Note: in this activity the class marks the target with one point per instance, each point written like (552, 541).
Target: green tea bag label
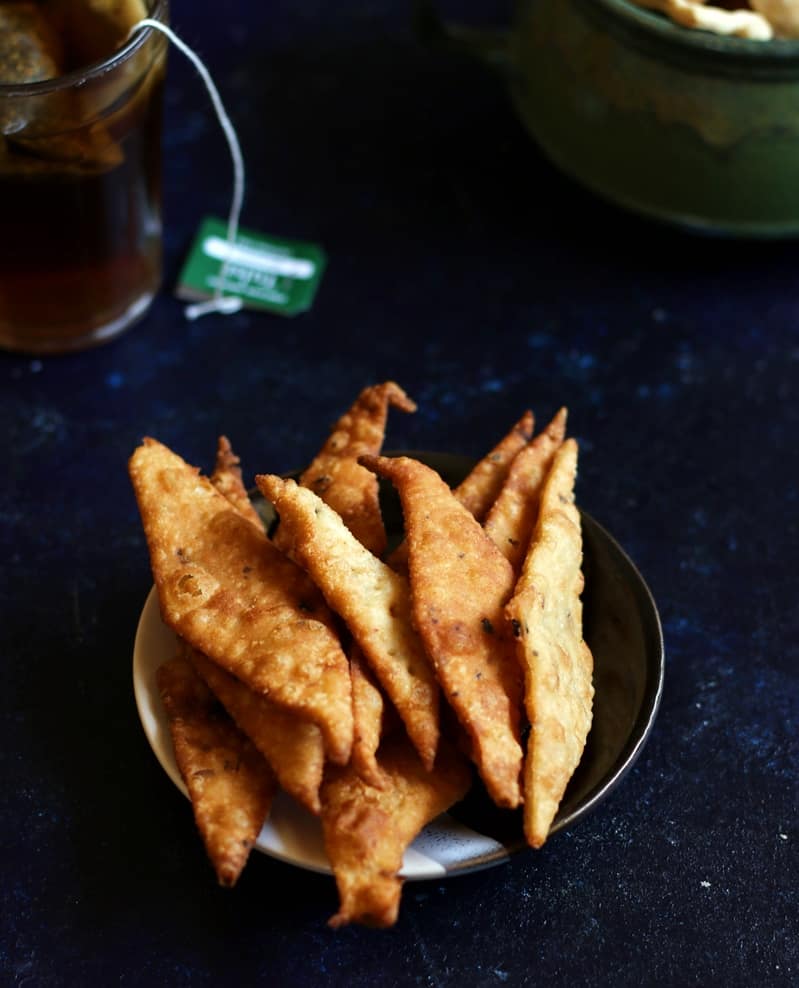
(264, 272)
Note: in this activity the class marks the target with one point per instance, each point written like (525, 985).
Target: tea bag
(30, 48)
(94, 29)
(30, 51)
(92, 149)
(40, 42)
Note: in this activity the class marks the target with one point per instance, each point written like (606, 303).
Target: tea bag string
(219, 303)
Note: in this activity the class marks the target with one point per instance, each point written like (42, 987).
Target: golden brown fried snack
(337, 477)
(232, 595)
(227, 479)
(782, 15)
(352, 491)
(366, 830)
(373, 600)
(511, 519)
(292, 746)
(460, 583)
(367, 719)
(546, 613)
(740, 23)
(478, 491)
(230, 785)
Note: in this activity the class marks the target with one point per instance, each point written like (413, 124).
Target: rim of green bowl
(778, 51)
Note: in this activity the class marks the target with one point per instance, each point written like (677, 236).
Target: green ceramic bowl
(681, 125)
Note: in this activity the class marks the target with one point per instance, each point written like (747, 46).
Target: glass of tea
(80, 170)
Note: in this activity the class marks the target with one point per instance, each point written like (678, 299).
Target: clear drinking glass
(80, 198)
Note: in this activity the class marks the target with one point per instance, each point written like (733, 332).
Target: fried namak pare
(482, 615)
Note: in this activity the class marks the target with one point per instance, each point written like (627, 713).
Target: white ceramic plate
(621, 627)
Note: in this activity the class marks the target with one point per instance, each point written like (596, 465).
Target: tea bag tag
(228, 268)
(261, 272)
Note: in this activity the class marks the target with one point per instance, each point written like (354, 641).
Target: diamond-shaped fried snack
(479, 489)
(337, 477)
(230, 784)
(352, 491)
(373, 600)
(511, 519)
(366, 830)
(460, 583)
(231, 594)
(368, 707)
(227, 479)
(292, 746)
(546, 613)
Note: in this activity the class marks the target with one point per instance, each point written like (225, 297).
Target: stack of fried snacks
(375, 689)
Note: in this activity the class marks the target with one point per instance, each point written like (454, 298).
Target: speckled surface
(464, 267)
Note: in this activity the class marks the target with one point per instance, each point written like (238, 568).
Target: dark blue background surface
(463, 266)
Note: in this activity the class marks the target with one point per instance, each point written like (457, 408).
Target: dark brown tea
(80, 202)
